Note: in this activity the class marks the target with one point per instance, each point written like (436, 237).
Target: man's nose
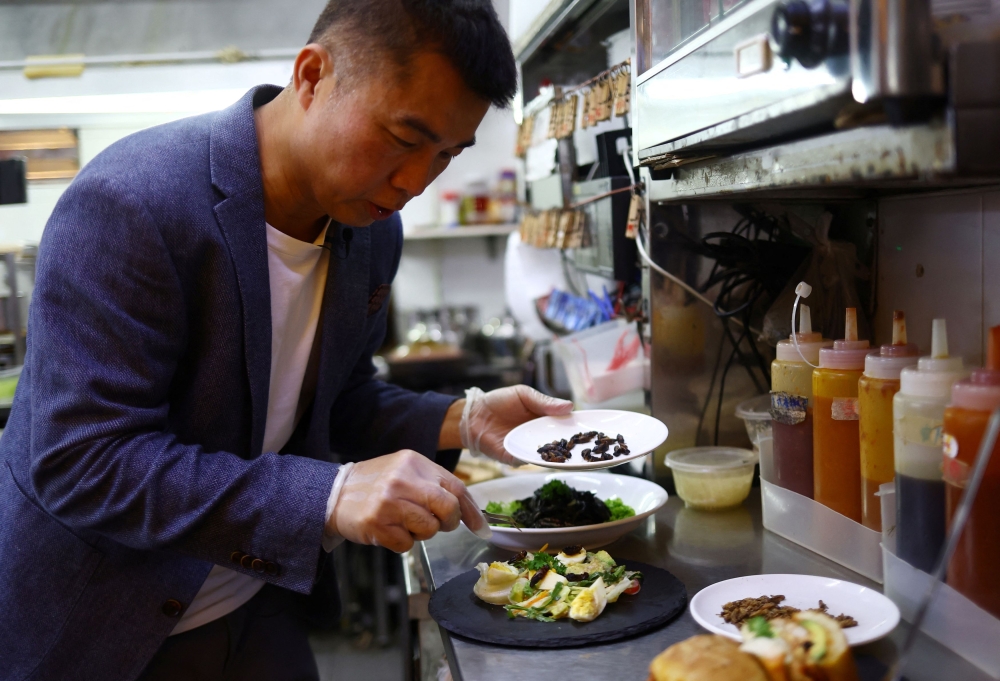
(413, 176)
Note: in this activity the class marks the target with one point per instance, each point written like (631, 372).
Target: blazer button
(246, 562)
(236, 556)
(172, 608)
(257, 565)
(271, 568)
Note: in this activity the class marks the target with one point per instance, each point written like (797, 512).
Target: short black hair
(466, 32)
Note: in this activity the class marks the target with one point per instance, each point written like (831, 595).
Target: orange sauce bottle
(836, 441)
(974, 567)
(876, 388)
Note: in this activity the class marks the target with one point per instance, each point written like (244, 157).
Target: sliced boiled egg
(589, 603)
(549, 581)
(577, 554)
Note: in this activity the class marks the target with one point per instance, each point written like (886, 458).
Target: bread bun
(705, 658)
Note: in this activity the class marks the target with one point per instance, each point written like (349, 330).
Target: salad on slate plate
(575, 583)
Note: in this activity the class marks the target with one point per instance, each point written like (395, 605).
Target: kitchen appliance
(713, 76)
(609, 253)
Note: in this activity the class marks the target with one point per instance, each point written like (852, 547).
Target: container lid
(981, 392)
(890, 360)
(882, 366)
(810, 348)
(710, 459)
(809, 343)
(933, 376)
(755, 409)
(848, 353)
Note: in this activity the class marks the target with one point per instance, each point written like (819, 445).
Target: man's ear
(312, 65)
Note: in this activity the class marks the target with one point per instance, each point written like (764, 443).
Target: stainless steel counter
(700, 549)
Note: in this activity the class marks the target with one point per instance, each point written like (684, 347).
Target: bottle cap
(981, 392)
(889, 360)
(849, 353)
(933, 376)
(809, 341)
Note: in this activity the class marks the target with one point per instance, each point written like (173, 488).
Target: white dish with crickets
(640, 435)
(875, 614)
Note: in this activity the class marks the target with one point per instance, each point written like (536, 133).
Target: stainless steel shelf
(460, 232)
(556, 15)
(543, 25)
(851, 161)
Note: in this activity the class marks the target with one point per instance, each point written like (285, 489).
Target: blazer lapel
(345, 307)
(235, 165)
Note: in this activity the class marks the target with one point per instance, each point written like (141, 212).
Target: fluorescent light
(190, 102)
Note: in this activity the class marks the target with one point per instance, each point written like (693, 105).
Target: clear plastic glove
(488, 417)
(400, 498)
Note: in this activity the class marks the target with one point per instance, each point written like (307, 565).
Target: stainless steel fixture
(713, 78)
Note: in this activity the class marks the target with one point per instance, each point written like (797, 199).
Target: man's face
(369, 145)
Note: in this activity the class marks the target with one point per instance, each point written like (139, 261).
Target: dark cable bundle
(750, 268)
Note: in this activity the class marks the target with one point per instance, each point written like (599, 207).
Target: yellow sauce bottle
(791, 406)
(836, 441)
(876, 389)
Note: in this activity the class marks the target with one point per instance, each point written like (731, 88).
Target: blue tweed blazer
(132, 459)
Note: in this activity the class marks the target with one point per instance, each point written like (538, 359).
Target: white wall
(106, 104)
(522, 13)
(955, 239)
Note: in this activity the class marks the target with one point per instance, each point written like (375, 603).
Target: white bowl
(642, 434)
(643, 496)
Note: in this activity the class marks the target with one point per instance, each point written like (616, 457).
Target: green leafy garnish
(609, 576)
(554, 490)
(503, 507)
(759, 626)
(540, 560)
(537, 612)
(618, 508)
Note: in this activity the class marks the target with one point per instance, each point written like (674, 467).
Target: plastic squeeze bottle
(876, 388)
(918, 419)
(791, 408)
(836, 441)
(973, 568)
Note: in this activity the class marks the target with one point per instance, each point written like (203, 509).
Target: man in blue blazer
(197, 417)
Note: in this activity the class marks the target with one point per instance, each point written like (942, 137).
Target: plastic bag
(832, 269)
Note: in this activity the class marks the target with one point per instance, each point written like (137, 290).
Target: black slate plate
(457, 609)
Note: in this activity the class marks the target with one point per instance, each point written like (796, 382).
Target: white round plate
(642, 434)
(876, 615)
(643, 496)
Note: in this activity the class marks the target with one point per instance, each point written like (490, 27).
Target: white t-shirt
(297, 272)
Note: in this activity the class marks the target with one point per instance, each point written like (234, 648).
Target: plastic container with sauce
(791, 406)
(712, 478)
(918, 419)
(876, 389)
(836, 442)
(973, 568)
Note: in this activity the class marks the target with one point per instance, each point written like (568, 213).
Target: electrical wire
(743, 275)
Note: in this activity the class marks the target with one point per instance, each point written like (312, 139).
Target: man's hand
(488, 417)
(400, 498)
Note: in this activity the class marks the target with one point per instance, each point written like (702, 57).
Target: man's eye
(403, 143)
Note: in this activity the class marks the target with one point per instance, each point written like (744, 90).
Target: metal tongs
(499, 518)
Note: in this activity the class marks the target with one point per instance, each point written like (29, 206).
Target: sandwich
(809, 646)
(706, 658)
